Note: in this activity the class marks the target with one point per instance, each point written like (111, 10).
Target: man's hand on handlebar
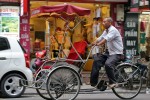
(94, 43)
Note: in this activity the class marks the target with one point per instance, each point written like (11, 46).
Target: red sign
(24, 33)
(134, 9)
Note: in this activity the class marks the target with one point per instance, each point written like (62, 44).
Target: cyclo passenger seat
(80, 48)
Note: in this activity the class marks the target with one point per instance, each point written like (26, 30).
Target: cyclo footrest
(31, 84)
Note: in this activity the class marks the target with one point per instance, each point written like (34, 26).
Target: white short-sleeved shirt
(114, 40)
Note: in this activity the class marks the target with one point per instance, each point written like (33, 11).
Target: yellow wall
(39, 24)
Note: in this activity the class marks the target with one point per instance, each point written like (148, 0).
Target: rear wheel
(129, 81)
(10, 86)
(63, 83)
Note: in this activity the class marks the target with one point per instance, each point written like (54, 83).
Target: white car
(14, 65)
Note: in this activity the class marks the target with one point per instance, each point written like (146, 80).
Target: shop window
(39, 43)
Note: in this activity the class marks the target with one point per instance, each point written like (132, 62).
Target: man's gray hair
(109, 19)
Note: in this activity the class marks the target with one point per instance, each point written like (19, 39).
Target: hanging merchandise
(142, 38)
(98, 12)
(148, 29)
(96, 27)
(142, 26)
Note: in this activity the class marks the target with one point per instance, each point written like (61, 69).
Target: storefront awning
(64, 10)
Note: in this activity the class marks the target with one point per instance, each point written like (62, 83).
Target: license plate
(128, 70)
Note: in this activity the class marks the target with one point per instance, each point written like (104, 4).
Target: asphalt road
(31, 94)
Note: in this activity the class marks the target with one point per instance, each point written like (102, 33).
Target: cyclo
(63, 79)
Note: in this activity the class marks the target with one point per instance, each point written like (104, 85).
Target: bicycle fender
(124, 64)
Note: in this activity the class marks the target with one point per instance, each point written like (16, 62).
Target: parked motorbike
(138, 62)
(40, 59)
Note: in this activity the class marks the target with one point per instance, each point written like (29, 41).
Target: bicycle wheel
(41, 78)
(129, 81)
(41, 84)
(63, 83)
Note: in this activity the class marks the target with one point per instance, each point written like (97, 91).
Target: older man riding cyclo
(112, 38)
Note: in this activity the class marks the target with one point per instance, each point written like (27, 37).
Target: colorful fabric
(142, 26)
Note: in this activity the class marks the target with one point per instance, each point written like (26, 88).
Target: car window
(4, 45)
(22, 47)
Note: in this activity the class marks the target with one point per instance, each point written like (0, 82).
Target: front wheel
(129, 81)
(41, 82)
(63, 83)
(41, 78)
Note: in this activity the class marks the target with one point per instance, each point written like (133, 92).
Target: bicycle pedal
(102, 86)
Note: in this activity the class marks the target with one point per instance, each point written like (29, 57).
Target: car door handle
(2, 58)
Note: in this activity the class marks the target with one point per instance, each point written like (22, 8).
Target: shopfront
(41, 28)
(137, 32)
(138, 29)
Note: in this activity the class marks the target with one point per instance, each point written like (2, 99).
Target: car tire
(0, 94)
(10, 86)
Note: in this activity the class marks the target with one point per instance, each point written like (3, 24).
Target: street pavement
(85, 94)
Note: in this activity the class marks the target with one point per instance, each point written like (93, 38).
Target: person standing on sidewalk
(113, 40)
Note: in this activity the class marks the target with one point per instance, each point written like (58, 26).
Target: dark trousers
(110, 61)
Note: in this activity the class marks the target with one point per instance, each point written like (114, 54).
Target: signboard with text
(24, 25)
(9, 21)
(24, 33)
(131, 34)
